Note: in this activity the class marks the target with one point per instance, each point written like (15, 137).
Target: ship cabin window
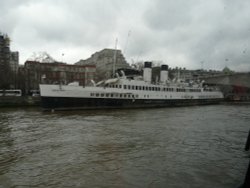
(149, 88)
(136, 87)
(91, 94)
(125, 86)
(195, 90)
(97, 94)
(128, 86)
(120, 86)
(120, 95)
(178, 90)
(102, 94)
(140, 87)
(111, 95)
(143, 88)
(133, 87)
(107, 94)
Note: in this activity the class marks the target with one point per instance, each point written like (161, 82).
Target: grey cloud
(179, 32)
(201, 31)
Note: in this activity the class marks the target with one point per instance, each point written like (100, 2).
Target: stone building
(106, 61)
(4, 49)
(14, 61)
(5, 72)
(8, 63)
(57, 72)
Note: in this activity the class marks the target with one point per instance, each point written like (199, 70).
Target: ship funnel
(164, 74)
(147, 72)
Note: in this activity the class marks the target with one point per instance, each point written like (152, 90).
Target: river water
(200, 146)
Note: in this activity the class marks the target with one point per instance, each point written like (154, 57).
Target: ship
(126, 91)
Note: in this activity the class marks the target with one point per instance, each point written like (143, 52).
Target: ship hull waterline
(72, 103)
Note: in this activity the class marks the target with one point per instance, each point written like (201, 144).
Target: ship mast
(114, 63)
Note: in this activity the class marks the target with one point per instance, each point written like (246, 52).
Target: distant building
(4, 49)
(6, 74)
(182, 74)
(55, 73)
(14, 61)
(105, 61)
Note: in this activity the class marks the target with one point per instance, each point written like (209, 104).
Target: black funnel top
(164, 67)
(147, 64)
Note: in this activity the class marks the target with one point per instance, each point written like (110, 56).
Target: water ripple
(201, 146)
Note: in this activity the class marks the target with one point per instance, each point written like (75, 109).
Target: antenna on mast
(126, 44)
(116, 41)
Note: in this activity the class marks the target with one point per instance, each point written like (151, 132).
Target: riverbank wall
(8, 101)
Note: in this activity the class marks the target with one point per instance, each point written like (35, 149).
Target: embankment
(19, 101)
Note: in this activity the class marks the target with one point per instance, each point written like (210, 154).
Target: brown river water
(200, 146)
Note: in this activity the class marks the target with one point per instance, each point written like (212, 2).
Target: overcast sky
(185, 33)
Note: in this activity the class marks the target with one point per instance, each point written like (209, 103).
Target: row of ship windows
(148, 88)
(208, 96)
(111, 95)
(133, 96)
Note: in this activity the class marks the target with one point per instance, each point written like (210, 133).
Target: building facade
(5, 72)
(8, 64)
(55, 73)
(14, 61)
(106, 61)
